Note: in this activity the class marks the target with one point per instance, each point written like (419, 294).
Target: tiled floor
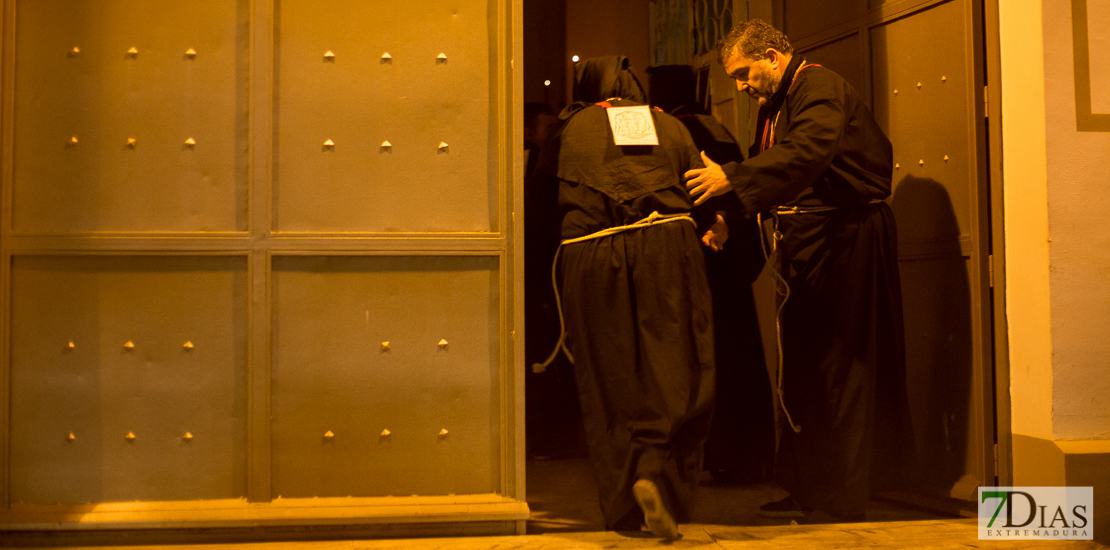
(565, 515)
(563, 498)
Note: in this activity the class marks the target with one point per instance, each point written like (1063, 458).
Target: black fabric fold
(588, 155)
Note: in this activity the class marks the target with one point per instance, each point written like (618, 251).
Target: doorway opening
(561, 491)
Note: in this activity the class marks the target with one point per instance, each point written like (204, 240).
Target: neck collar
(787, 79)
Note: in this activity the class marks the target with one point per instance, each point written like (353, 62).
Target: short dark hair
(753, 38)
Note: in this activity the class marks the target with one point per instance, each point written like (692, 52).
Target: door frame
(1004, 464)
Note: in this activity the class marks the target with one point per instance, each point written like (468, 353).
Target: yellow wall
(1027, 241)
(1056, 235)
(1078, 198)
(1055, 146)
(1056, 143)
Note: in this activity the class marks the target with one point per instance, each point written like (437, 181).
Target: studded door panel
(128, 378)
(384, 376)
(214, 214)
(383, 117)
(130, 116)
(935, 201)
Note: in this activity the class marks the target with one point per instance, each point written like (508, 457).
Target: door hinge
(986, 103)
(996, 460)
(990, 269)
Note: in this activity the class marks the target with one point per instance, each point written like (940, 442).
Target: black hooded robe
(637, 304)
(741, 443)
(844, 360)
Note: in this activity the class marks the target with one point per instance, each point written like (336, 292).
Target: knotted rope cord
(655, 218)
(782, 289)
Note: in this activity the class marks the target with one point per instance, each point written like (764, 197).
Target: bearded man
(816, 177)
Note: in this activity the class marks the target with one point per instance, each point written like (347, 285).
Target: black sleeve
(712, 138)
(777, 175)
(689, 158)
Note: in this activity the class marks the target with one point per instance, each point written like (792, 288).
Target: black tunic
(741, 442)
(844, 359)
(637, 308)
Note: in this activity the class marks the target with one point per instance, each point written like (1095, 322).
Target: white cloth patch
(632, 125)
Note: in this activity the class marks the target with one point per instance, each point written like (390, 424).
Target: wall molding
(1085, 119)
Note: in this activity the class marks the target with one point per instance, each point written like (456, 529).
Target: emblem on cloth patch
(632, 125)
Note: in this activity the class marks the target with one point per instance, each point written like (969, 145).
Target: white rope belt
(654, 219)
(784, 289)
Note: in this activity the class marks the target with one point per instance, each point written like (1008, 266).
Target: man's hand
(717, 235)
(707, 182)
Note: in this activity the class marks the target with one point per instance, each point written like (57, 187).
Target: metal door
(920, 63)
(259, 265)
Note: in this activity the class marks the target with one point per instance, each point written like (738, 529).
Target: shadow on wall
(936, 301)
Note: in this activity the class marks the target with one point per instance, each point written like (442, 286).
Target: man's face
(757, 78)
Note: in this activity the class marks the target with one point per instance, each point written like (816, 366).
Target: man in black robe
(636, 301)
(819, 170)
(741, 443)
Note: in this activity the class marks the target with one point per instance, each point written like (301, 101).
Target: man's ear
(773, 57)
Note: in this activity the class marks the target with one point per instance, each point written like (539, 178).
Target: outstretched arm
(796, 161)
(707, 182)
(799, 157)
